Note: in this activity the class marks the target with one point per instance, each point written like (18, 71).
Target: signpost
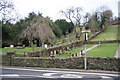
(85, 42)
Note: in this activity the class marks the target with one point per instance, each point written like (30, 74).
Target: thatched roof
(38, 28)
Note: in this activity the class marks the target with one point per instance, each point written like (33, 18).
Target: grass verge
(104, 50)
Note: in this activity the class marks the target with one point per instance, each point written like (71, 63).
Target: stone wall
(94, 63)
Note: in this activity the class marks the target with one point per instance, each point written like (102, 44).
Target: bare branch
(6, 7)
(73, 14)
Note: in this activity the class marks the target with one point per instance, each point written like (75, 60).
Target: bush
(94, 63)
(6, 44)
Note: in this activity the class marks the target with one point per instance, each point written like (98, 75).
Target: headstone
(46, 46)
(11, 46)
(68, 48)
(54, 52)
(77, 54)
(51, 53)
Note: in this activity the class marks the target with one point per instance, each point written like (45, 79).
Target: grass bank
(109, 34)
(104, 50)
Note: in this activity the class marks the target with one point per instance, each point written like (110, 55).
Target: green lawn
(118, 32)
(63, 56)
(78, 49)
(105, 50)
(109, 34)
(18, 51)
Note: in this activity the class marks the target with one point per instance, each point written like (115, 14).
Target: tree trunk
(32, 45)
(42, 44)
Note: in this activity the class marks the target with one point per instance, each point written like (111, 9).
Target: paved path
(90, 48)
(117, 55)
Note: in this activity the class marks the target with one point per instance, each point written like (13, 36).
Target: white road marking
(71, 76)
(48, 74)
(10, 75)
(106, 77)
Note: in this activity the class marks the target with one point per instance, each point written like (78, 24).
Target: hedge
(93, 63)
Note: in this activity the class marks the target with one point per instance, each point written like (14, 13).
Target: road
(32, 74)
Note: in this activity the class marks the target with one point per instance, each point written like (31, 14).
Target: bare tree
(100, 19)
(105, 15)
(5, 5)
(108, 15)
(39, 28)
(102, 8)
(73, 14)
(77, 15)
(7, 11)
(93, 22)
(86, 18)
(68, 14)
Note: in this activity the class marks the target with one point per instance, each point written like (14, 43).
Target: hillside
(109, 34)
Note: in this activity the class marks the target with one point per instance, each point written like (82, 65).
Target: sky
(51, 8)
(119, 9)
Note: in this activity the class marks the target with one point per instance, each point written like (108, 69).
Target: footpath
(117, 55)
(90, 48)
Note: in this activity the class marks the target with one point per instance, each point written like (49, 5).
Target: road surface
(32, 74)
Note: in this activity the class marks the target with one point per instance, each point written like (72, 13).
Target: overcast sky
(51, 8)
